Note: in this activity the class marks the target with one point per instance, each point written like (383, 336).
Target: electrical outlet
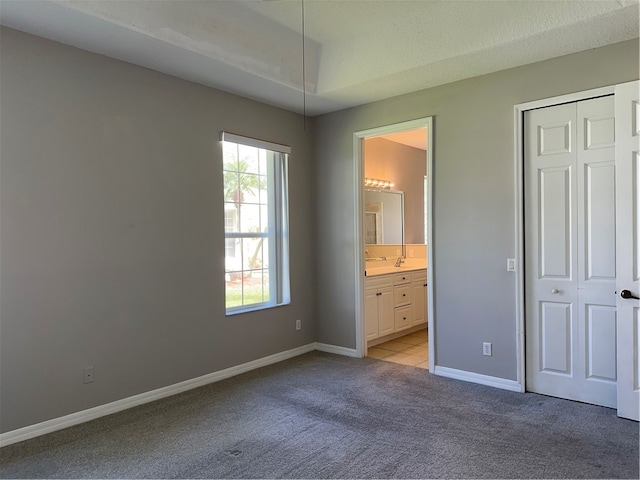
(298, 324)
(88, 375)
(486, 349)
(411, 253)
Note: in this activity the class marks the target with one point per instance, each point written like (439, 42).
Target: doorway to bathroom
(394, 311)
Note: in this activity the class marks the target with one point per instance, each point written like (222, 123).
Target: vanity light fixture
(377, 183)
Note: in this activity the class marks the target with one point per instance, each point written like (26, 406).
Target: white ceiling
(356, 51)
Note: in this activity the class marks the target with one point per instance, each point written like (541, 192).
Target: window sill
(253, 308)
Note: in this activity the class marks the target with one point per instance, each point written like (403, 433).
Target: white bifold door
(581, 333)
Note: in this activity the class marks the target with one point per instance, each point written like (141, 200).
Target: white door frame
(519, 203)
(358, 139)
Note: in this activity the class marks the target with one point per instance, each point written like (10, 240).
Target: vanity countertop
(410, 265)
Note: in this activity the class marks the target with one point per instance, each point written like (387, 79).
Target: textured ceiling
(355, 51)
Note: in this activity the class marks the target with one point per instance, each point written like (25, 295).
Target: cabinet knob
(404, 294)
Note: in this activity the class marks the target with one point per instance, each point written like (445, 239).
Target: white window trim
(254, 142)
(278, 236)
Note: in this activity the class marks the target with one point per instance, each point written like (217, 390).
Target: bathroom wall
(406, 167)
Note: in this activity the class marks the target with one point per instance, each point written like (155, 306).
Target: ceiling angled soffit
(120, 29)
(223, 30)
(357, 51)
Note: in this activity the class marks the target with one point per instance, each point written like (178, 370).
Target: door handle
(628, 294)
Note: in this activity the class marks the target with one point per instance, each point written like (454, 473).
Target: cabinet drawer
(402, 318)
(400, 278)
(402, 295)
(419, 276)
(379, 281)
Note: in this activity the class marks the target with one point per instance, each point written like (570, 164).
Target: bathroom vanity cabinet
(394, 302)
(379, 306)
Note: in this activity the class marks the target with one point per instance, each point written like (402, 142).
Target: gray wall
(112, 245)
(474, 217)
(111, 213)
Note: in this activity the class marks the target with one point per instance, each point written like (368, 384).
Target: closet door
(628, 247)
(570, 251)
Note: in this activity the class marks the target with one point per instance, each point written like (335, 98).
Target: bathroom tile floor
(412, 349)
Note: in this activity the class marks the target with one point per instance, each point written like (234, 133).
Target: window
(255, 223)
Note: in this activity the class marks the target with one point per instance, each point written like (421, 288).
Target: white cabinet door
(371, 313)
(386, 319)
(570, 251)
(419, 299)
(627, 108)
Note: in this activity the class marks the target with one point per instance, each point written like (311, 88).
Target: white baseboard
(52, 425)
(497, 382)
(347, 352)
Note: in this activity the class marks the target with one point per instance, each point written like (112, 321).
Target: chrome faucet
(399, 261)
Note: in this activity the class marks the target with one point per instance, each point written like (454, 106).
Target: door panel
(600, 222)
(627, 148)
(570, 251)
(554, 139)
(599, 132)
(635, 183)
(556, 335)
(554, 244)
(600, 327)
(635, 386)
(596, 237)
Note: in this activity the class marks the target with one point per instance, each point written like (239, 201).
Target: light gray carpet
(325, 416)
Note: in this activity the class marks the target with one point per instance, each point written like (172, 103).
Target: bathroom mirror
(384, 217)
